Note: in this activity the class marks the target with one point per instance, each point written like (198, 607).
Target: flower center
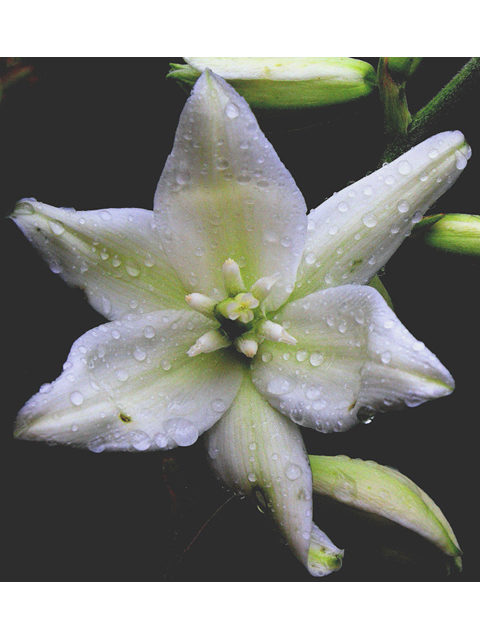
(241, 315)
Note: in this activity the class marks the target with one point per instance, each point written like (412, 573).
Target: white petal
(115, 255)
(353, 357)
(386, 492)
(130, 385)
(353, 234)
(225, 194)
(257, 451)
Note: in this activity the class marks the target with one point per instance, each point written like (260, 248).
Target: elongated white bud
(202, 304)
(275, 332)
(210, 341)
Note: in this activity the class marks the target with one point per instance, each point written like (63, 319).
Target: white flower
(228, 313)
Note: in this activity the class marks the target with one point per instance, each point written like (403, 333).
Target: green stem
(424, 121)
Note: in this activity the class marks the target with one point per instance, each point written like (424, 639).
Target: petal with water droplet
(353, 357)
(385, 206)
(130, 385)
(239, 201)
(256, 450)
(115, 255)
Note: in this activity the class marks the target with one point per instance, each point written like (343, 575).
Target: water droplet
(232, 110)
(342, 327)
(252, 477)
(390, 180)
(182, 431)
(293, 471)
(166, 364)
(182, 177)
(310, 258)
(433, 153)
(267, 356)
(417, 216)
(56, 227)
(139, 440)
(343, 207)
(161, 440)
(132, 269)
(97, 445)
(316, 359)
(404, 167)
(105, 215)
(386, 357)
(423, 177)
(55, 266)
(218, 405)
(252, 446)
(368, 190)
(280, 386)
(149, 332)
(76, 398)
(370, 220)
(301, 355)
(121, 375)
(365, 415)
(222, 164)
(139, 354)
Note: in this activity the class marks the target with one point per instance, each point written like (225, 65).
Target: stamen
(275, 332)
(263, 286)
(232, 278)
(247, 344)
(210, 341)
(202, 304)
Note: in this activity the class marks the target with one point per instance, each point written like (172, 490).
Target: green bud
(285, 83)
(402, 68)
(455, 232)
(385, 492)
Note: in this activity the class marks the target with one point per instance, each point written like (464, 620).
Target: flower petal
(130, 385)
(353, 357)
(353, 234)
(386, 492)
(257, 451)
(224, 194)
(115, 255)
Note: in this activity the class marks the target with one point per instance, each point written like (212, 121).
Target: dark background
(95, 133)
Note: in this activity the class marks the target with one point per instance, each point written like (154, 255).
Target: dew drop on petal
(76, 398)
(97, 445)
(293, 471)
(232, 110)
(139, 354)
(218, 405)
(370, 220)
(404, 167)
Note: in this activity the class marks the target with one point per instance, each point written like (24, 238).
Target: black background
(95, 133)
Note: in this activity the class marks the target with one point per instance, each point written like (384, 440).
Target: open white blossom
(230, 311)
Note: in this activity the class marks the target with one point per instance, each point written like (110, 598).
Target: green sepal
(377, 284)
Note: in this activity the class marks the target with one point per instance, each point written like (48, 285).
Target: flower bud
(402, 68)
(285, 83)
(455, 232)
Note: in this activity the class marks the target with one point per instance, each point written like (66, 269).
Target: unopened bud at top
(285, 83)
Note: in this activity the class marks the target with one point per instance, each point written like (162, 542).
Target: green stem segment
(426, 119)
(403, 131)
